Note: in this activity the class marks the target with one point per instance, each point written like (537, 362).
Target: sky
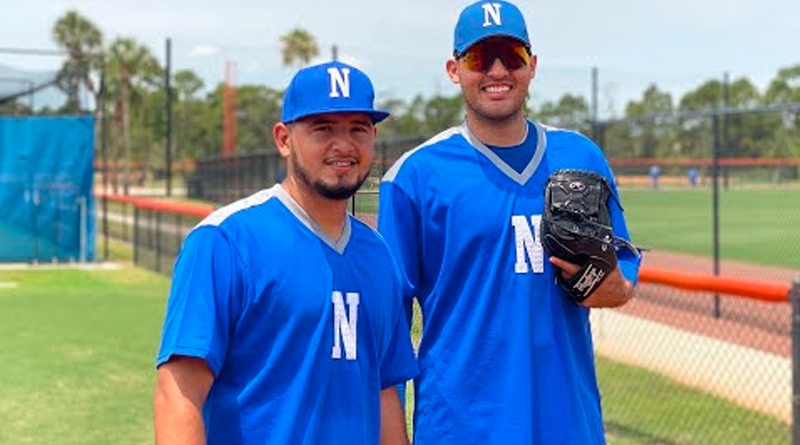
(403, 44)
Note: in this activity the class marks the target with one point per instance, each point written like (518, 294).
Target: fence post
(135, 235)
(158, 241)
(794, 296)
(83, 230)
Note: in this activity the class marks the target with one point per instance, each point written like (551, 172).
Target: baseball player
(506, 351)
(285, 322)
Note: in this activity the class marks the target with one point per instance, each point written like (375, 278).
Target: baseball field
(756, 225)
(80, 346)
(80, 343)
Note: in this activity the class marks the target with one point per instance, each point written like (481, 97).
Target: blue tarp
(46, 200)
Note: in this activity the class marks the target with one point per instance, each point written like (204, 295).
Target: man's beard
(338, 192)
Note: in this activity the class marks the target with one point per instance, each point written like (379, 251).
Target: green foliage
(83, 42)
(650, 127)
(420, 116)
(14, 108)
(298, 46)
(570, 111)
(258, 109)
(652, 137)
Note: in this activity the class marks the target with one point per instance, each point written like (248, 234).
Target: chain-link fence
(158, 237)
(222, 179)
(716, 380)
(670, 369)
(674, 366)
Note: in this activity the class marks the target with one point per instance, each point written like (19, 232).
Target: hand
(614, 291)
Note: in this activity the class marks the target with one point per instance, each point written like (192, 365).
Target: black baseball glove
(576, 227)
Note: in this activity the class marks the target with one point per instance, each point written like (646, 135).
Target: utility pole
(168, 129)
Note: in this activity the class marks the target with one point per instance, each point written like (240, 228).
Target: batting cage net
(38, 81)
(18, 89)
(46, 199)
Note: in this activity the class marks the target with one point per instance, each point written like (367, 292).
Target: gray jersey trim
(312, 225)
(277, 191)
(518, 177)
(392, 173)
(221, 214)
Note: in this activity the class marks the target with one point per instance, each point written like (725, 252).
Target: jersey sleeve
(399, 363)
(206, 291)
(399, 223)
(628, 261)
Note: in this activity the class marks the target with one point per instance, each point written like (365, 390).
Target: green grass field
(756, 225)
(82, 345)
(640, 407)
(79, 348)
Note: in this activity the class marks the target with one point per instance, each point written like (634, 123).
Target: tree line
(132, 98)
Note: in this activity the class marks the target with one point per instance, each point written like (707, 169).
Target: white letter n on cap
(340, 82)
(491, 14)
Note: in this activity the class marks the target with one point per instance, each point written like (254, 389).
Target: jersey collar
(518, 177)
(301, 215)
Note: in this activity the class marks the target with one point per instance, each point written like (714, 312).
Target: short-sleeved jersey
(505, 357)
(300, 331)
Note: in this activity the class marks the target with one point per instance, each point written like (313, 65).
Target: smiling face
(329, 155)
(497, 93)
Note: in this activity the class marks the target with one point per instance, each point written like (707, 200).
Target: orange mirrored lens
(481, 56)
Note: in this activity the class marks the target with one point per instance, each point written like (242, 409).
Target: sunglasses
(481, 56)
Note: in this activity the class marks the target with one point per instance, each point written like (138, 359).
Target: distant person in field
(655, 173)
(693, 177)
(505, 356)
(285, 323)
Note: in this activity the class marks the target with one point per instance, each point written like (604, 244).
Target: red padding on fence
(705, 162)
(156, 205)
(759, 290)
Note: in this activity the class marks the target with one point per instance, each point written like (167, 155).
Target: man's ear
(281, 133)
(534, 64)
(452, 70)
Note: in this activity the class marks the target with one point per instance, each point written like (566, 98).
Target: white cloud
(203, 50)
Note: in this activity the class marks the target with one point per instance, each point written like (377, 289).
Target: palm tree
(298, 47)
(131, 66)
(83, 42)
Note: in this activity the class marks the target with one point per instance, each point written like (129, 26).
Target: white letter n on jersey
(340, 82)
(528, 242)
(344, 327)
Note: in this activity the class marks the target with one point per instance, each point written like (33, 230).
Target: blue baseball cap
(488, 18)
(332, 87)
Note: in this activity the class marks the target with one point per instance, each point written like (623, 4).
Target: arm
(613, 292)
(182, 388)
(393, 419)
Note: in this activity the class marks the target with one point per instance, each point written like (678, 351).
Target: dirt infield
(738, 349)
(754, 324)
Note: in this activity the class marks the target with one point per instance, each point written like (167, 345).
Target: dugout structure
(46, 201)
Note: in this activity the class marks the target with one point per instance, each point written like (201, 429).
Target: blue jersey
(300, 331)
(505, 357)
